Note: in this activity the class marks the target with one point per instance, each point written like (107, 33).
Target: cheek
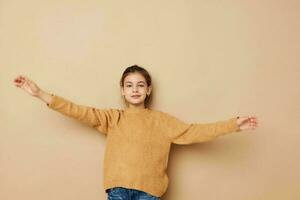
(143, 89)
(126, 91)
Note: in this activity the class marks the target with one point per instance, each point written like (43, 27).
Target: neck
(140, 106)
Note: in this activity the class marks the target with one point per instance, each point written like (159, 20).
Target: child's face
(135, 90)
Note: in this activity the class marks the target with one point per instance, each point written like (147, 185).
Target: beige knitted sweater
(139, 141)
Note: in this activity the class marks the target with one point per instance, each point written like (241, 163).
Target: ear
(149, 90)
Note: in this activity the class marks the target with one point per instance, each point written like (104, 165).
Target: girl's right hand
(27, 85)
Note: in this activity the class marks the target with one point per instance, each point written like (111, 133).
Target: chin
(136, 103)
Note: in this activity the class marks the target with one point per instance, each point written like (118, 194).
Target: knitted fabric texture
(138, 141)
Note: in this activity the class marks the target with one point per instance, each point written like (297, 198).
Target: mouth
(135, 96)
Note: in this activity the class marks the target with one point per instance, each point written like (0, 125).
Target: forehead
(134, 78)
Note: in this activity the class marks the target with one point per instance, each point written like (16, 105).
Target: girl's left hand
(247, 122)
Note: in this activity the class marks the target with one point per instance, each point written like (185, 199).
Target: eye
(128, 86)
(141, 85)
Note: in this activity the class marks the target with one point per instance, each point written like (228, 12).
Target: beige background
(210, 60)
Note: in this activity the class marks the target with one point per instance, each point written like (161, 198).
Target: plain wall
(209, 60)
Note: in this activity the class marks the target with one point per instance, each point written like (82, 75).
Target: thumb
(242, 120)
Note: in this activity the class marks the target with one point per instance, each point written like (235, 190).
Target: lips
(136, 96)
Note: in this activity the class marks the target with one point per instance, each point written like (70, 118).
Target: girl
(138, 138)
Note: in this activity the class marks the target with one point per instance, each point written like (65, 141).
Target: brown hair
(144, 73)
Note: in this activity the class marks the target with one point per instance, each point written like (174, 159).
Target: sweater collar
(136, 110)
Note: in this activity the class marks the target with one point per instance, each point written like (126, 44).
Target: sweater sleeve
(101, 119)
(180, 132)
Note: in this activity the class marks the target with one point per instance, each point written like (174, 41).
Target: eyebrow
(131, 82)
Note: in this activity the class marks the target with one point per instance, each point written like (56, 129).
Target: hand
(27, 85)
(247, 123)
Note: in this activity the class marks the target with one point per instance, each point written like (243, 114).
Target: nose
(134, 89)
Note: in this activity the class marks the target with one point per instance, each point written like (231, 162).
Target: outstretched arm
(32, 88)
(101, 119)
(180, 132)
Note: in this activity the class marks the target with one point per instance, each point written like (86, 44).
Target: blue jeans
(120, 193)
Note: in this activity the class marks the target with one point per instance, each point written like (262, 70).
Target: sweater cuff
(52, 102)
(233, 125)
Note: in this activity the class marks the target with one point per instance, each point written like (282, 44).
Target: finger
(254, 126)
(17, 78)
(24, 78)
(18, 82)
(252, 119)
(247, 119)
